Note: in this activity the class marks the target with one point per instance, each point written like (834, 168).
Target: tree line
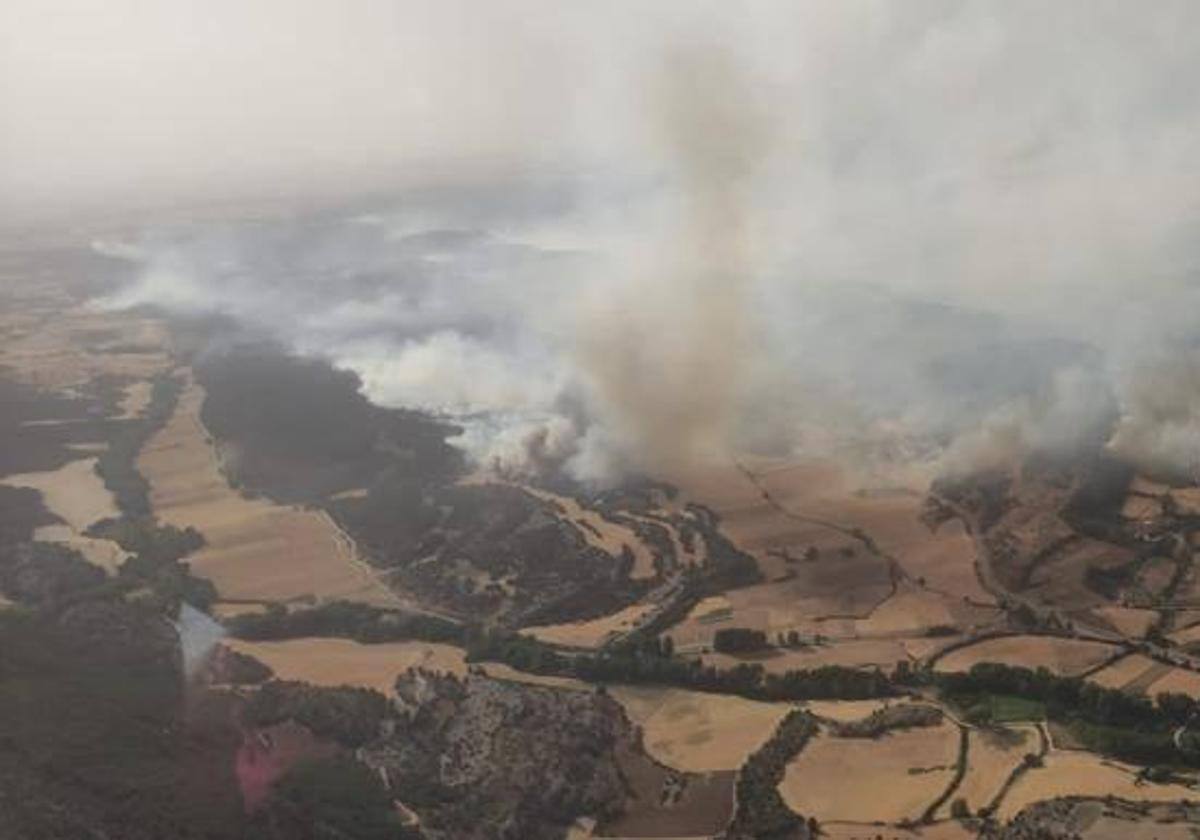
(1131, 727)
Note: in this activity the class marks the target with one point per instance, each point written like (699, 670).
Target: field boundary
(960, 772)
(1017, 772)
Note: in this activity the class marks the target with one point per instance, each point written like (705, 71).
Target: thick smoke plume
(666, 352)
(919, 228)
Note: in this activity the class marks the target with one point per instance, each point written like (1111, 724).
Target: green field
(1000, 708)
(1007, 708)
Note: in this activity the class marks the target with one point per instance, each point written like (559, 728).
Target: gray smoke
(609, 244)
(664, 349)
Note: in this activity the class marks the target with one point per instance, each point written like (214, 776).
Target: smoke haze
(635, 236)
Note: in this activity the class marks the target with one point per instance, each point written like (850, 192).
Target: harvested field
(910, 611)
(1084, 774)
(946, 560)
(1179, 680)
(334, 662)
(834, 585)
(86, 448)
(991, 758)
(103, 553)
(1128, 621)
(256, 550)
(819, 505)
(862, 780)
(57, 353)
(913, 611)
(1186, 636)
(1155, 575)
(1062, 656)
(74, 493)
(1142, 506)
(589, 634)
(945, 830)
(1060, 578)
(1187, 500)
(756, 525)
(704, 805)
(698, 732)
(224, 609)
(1114, 824)
(844, 711)
(1132, 670)
(853, 653)
(711, 610)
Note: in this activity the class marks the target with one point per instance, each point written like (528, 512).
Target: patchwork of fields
(854, 574)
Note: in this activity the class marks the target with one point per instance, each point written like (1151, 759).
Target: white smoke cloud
(942, 215)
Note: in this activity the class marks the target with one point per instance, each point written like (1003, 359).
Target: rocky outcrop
(481, 759)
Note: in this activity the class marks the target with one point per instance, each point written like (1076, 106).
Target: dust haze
(629, 238)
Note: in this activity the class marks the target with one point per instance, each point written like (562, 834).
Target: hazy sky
(101, 99)
(844, 164)
(108, 98)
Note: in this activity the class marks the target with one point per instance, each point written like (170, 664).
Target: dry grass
(589, 634)
(699, 732)
(1065, 657)
(332, 662)
(862, 780)
(256, 550)
(1074, 773)
(991, 757)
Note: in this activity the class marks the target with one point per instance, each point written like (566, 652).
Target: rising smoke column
(665, 352)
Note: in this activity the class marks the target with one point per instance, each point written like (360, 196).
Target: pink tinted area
(266, 754)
